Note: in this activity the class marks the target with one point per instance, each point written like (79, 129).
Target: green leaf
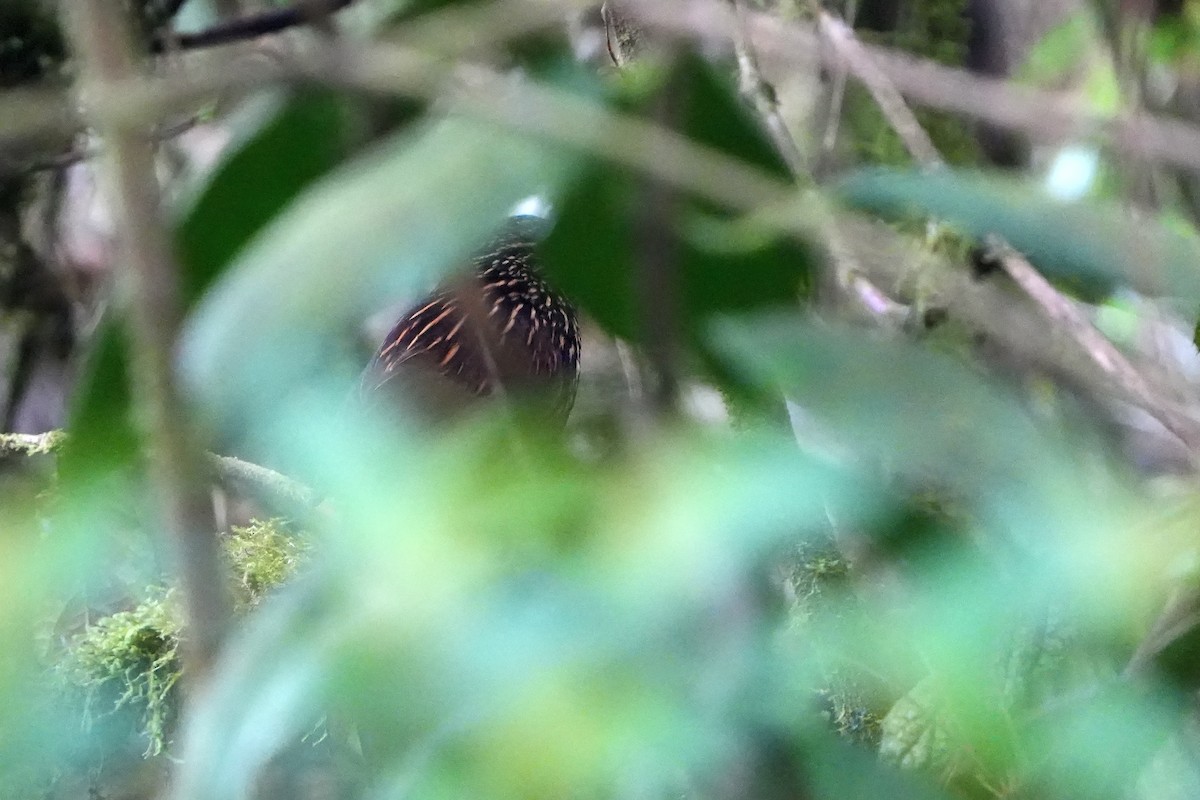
(841, 770)
(919, 410)
(713, 114)
(494, 596)
(928, 418)
(1098, 244)
(1095, 744)
(916, 734)
(299, 140)
(273, 688)
(588, 254)
(103, 437)
(724, 263)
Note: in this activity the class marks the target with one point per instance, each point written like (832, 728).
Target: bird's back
(498, 328)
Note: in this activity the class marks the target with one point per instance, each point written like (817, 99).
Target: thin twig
(897, 113)
(243, 28)
(149, 292)
(833, 120)
(837, 98)
(1040, 114)
(1179, 616)
(762, 94)
(657, 284)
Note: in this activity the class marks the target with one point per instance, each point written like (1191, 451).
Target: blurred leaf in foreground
(290, 143)
(529, 630)
(1098, 245)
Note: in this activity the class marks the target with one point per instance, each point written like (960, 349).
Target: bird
(499, 328)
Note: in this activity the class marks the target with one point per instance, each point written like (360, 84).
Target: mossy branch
(273, 489)
(26, 444)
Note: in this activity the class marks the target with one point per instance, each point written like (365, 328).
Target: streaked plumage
(502, 324)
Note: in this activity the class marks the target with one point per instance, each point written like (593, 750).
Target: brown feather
(501, 325)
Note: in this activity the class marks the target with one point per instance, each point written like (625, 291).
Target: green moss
(846, 709)
(819, 582)
(261, 557)
(128, 663)
(917, 735)
(817, 578)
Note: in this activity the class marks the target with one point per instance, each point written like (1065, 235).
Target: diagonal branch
(860, 63)
(762, 94)
(1061, 310)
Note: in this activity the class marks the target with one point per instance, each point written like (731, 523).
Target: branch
(245, 28)
(1103, 353)
(26, 444)
(149, 293)
(1057, 308)
(273, 489)
(897, 113)
(656, 283)
(1040, 114)
(762, 94)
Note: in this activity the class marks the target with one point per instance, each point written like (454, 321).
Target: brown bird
(500, 329)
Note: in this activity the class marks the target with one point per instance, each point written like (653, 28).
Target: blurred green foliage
(934, 588)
